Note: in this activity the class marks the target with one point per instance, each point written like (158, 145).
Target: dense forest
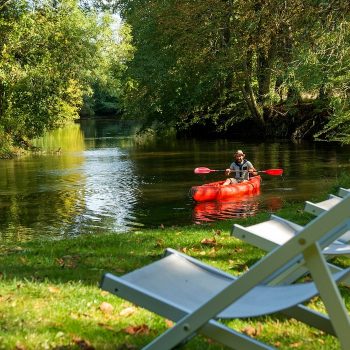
(220, 67)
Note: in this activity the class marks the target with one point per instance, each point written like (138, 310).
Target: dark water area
(97, 177)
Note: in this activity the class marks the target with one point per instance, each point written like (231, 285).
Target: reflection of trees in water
(101, 129)
(36, 186)
(69, 138)
(71, 192)
(25, 211)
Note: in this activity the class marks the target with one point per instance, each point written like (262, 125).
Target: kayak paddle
(274, 172)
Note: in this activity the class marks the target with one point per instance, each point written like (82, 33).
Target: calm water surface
(96, 177)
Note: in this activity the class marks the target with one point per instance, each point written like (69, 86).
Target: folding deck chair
(275, 232)
(194, 294)
(320, 207)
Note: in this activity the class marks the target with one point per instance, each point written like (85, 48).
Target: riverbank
(51, 298)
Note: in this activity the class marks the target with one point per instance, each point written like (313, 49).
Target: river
(97, 177)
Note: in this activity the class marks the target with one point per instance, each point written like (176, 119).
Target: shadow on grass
(86, 258)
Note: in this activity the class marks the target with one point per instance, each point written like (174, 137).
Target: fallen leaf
(106, 308)
(169, 323)
(242, 267)
(119, 270)
(238, 250)
(296, 345)
(212, 252)
(60, 262)
(127, 311)
(59, 334)
(83, 344)
(68, 261)
(17, 249)
(142, 329)
(53, 289)
(252, 331)
(209, 241)
(160, 243)
(19, 346)
(106, 326)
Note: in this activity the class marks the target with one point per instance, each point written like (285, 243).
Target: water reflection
(37, 192)
(109, 187)
(219, 210)
(242, 208)
(88, 187)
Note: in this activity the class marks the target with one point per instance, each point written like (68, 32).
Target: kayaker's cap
(239, 153)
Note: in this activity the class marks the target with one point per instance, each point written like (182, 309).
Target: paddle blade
(202, 170)
(274, 172)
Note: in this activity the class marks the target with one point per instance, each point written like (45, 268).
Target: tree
(51, 53)
(225, 61)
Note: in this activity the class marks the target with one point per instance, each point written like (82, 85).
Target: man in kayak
(242, 169)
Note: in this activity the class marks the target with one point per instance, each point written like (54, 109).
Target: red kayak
(215, 191)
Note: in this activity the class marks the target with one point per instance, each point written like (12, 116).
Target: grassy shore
(50, 296)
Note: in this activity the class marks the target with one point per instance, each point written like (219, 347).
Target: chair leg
(311, 317)
(329, 293)
(224, 335)
(232, 339)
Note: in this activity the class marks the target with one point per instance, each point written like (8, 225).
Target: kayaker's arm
(250, 171)
(253, 172)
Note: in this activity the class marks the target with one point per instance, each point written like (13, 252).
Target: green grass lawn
(50, 296)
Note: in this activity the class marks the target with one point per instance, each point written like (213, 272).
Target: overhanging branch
(3, 3)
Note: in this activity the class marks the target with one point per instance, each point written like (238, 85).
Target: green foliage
(175, 63)
(106, 82)
(51, 55)
(224, 61)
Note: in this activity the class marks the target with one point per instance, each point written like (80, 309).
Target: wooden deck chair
(320, 207)
(194, 295)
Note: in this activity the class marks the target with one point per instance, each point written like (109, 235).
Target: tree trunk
(265, 62)
(249, 97)
(248, 92)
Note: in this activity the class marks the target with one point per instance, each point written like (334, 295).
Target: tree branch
(3, 3)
